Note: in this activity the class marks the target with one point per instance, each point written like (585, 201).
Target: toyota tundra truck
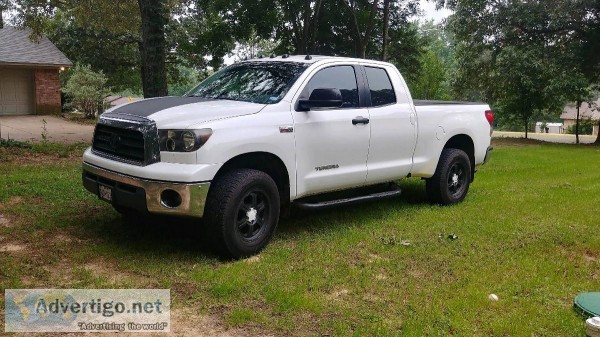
(262, 135)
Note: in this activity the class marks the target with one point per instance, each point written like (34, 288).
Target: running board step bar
(349, 201)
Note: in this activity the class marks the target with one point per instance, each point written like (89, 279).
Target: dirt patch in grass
(62, 238)
(591, 256)
(13, 201)
(11, 247)
(4, 221)
(114, 275)
(184, 323)
(253, 259)
(28, 157)
(42, 153)
(338, 294)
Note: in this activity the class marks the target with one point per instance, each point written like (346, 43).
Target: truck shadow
(164, 236)
(340, 218)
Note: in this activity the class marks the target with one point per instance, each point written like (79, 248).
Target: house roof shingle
(585, 111)
(17, 48)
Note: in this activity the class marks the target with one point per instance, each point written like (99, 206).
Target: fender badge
(286, 129)
(327, 167)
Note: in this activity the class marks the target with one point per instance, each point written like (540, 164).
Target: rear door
(393, 125)
(331, 150)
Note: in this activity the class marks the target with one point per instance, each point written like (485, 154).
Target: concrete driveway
(59, 130)
(546, 137)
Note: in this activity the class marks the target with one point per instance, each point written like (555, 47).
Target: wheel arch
(265, 162)
(465, 143)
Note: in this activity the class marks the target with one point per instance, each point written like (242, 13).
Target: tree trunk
(152, 48)
(577, 123)
(361, 41)
(1, 20)
(386, 29)
(597, 142)
(526, 127)
(315, 26)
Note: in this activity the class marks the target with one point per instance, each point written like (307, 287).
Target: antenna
(284, 56)
(308, 57)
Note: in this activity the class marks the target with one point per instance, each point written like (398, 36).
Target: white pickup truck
(262, 135)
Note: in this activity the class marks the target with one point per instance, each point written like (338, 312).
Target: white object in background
(592, 327)
(493, 297)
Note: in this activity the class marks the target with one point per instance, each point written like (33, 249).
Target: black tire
(242, 212)
(450, 183)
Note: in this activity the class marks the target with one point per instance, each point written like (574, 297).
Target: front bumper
(145, 195)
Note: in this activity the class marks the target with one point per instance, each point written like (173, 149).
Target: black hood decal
(148, 107)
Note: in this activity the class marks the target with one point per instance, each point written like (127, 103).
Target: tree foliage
(86, 89)
(432, 78)
(525, 57)
(148, 41)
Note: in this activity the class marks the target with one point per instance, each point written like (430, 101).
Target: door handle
(360, 120)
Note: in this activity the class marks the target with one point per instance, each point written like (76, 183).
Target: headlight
(183, 140)
(189, 140)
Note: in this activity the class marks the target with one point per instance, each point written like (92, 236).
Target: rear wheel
(242, 212)
(452, 178)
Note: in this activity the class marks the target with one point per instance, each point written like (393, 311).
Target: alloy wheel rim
(456, 179)
(252, 215)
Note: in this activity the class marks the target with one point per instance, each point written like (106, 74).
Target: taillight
(489, 115)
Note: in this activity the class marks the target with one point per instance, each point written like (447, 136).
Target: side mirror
(322, 98)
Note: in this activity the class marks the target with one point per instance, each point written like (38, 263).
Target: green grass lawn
(528, 232)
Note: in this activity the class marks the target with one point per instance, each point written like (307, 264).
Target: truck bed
(419, 102)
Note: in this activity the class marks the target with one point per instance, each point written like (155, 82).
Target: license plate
(105, 192)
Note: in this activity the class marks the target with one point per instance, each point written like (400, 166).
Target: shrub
(586, 127)
(86, 89)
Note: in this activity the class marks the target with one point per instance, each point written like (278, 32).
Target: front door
(331, 150)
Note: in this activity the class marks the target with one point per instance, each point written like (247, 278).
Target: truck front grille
(120, 143)
(130, 142)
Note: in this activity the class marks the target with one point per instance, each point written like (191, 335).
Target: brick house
(586, 112)
(29, 82)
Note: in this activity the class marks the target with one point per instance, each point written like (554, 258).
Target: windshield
(257, 82)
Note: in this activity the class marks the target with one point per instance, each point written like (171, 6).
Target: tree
(86, 89)
(153, 47)
(96, 47)
(435, 64)
(4, 6)
(254, 46)
(386, 30)
(523, 79)
(141, 23)
(431, 82)
(362, 18)
(301, 29)
(577, 89)
(563, 35)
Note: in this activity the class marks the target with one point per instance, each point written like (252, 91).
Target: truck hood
(182, 112)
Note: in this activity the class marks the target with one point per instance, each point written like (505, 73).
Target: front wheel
(242, 212)
(450, 183)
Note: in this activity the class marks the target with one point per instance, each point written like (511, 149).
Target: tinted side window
(382, 92)
(339, 77)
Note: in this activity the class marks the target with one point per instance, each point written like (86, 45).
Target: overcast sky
(429, 12)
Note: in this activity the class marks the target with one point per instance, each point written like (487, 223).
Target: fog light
(170, 199)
